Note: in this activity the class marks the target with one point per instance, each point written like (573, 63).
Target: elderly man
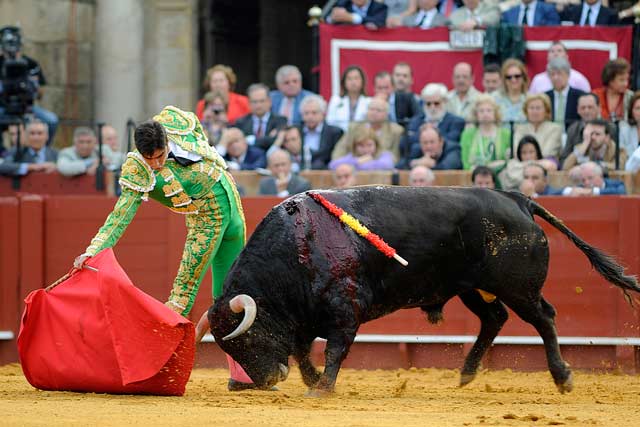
(421, 176)
(563, 97)
(260, 126)
(110, 139)
(434, 152)
(475, 14)
(388, 133)
(460, 99)
(239, 155)
(370, 13)
(534, 182)
(286, 100)
(434, 100)
(542, 82)
(588, 109)
(532, 13)
(402, 105)
(597, 147)
(82, 157)
(344, 176)
(33, 156)
(282, 182)
(593, 182)
(318, 138)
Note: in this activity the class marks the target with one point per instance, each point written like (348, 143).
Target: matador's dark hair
(149, 137)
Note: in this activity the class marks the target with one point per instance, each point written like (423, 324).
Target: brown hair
(634, 99)
(226, 70)
(343, 79)
(512, 62)
(614, 68)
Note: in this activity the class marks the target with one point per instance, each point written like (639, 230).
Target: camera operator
(21, 81)
(33, 156)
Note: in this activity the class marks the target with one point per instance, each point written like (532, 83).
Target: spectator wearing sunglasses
(510, 98)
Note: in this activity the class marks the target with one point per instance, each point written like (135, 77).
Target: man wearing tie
(532, 13)
(590, 13)
(286, 100)
(564, 98)
(427, 16)
(260, 126)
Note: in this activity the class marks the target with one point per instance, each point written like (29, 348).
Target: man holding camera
(21, 81)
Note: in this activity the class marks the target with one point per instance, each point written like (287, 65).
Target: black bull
(307, 275)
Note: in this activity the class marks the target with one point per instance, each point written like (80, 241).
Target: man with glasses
(434, 111)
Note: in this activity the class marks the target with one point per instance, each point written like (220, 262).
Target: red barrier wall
(41, 235)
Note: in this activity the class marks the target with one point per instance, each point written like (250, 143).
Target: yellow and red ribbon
(356, 226)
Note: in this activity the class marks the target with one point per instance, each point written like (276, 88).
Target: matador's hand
(80, 261)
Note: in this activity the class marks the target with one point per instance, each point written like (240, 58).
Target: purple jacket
(384, 161)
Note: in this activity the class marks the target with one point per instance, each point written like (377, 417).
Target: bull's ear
(242, 303)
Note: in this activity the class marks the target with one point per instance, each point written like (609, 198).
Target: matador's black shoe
(234, 385)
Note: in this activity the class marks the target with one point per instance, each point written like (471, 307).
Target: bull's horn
(248, 305)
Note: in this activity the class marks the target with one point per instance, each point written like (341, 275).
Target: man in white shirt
(461, 98)
(542, 83)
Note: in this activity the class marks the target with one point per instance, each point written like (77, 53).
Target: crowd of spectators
(510, 133)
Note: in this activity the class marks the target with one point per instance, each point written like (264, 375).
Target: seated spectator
(532, 13)
(398, 10)
(483, 177)
(11, 43)
(629, 131)
(260, 126)
(614, 95)
(402, 76)
(588, 109)
(286, 100)
(318, 138)
(110, 139)
(289, 139)
(475, 14)
(485, 143)
(221, 78)
(351, 105)
(366, 152)
(463, 95)
(344, 176)
(388, 133)
(564, 98)
(82, 157)
(434, 111)
(528, 152)
(593, 182)
(534, 182)
(233, 147)
(33, 156)
(513, 92)
(402, 105)
(597, 147)
(370, 13)
(282, 182)
(426, 16)
(435, 153)
(589, 14)
(446, 7)
(537, 110)
(10, 138)
(542, 82)
(214, 119)
(491, 78)
(421, 176)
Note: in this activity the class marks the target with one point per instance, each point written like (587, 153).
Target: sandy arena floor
(422, 397)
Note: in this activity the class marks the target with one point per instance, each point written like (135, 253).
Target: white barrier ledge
(8, 335)
(470, 339)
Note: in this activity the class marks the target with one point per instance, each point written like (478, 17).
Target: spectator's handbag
(93, 331)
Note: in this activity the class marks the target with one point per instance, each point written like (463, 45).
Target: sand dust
(416, 397)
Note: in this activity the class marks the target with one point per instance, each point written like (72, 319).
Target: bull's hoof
(234, 385)
(318, 393)
(567, 385)
(466, 378)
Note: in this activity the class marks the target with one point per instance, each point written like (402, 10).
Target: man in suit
(593, 182)
(433, 152)
(535, 183)
(475, 14)
(426, 16)
(282, 182)
(286, 100)
(233, 147)
(402, 105)
(434, 99)
(34, 156)
(532, 13)
(260, 126)
(590, 13)
(370, 13)
(82, 157)
(564, 98)
(318, 137)
(461, 98)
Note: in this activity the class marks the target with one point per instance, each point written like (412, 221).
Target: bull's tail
(601, 262)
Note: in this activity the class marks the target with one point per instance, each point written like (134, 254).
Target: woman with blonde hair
(537, 110)
(513, 92)
(221, 78)
(485, 142)
(366, 152)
